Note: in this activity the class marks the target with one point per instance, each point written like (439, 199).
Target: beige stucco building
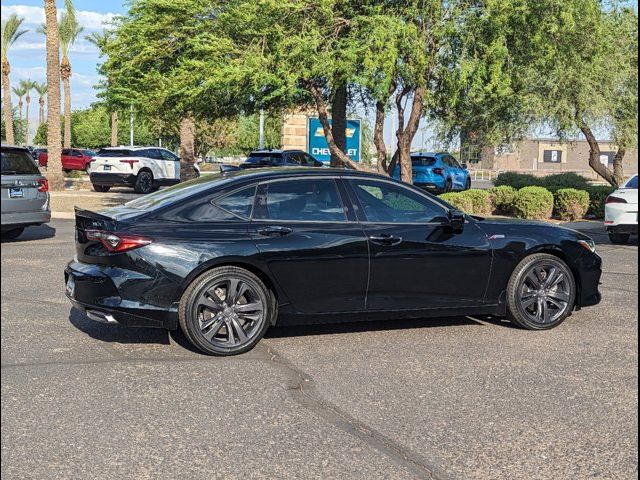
(548, 155)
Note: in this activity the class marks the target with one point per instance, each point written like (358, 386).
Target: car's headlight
(588, 244)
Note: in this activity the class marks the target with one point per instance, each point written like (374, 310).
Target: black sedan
(226, 256)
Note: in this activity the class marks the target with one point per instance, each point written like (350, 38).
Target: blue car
(437, 173)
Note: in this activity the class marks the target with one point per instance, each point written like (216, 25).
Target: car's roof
(259, 174)
(14, 147)
(273, 152)
(134, 148)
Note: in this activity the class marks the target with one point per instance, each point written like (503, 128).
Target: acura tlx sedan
(226, 256)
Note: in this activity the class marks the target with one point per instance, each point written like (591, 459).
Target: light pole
(261, 141)
(131, 126)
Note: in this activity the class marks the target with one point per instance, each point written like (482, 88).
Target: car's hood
(511, 223)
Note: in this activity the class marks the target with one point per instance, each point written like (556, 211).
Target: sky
(27, 56)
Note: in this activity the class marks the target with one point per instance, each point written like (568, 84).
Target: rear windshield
(104, 152)
(89, 153)
(18, 162)
(423, 161)
(633, 183)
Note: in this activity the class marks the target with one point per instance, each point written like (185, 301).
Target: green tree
(11, 31)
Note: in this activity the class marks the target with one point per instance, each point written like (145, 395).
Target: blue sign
(317, 143)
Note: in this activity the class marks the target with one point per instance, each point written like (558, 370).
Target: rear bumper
(93, 290)
(111, 179)
(631, 229)
(430, 187)
(25, 219)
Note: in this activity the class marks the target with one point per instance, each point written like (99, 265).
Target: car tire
(144, 182)
(541, 293)
(12, 234)
(219, 328)
(101, 188)
(448, 186)
(468, 184)
(619, 238)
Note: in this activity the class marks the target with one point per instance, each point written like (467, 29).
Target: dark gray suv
(25, 197)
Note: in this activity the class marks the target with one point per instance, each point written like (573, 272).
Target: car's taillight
(612, 199)
(130, 162)
(44, 185)
(117, 242)
(438, 171)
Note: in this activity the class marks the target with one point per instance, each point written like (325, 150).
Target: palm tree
(100, 41)
(68, 29)
(41, 88)
(11, 31)
(19, 92)
(27, 85)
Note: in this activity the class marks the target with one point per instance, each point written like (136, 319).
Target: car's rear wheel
(13, 233)
(226, 311)
(619, 238)
(101, 188)
(144, 182)
(541, 293)
(468, 184)
(448, 186)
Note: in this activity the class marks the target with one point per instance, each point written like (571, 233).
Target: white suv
(144, 168)
(621, 212)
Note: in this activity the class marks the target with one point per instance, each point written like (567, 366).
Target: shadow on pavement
(121, 334)
(381, 325)
(40, 232)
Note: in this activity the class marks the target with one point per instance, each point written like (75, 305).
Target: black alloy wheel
(226, 311)
(541, 293)
(12, 234)
(619, 238)
(101, 188)
(144, 182)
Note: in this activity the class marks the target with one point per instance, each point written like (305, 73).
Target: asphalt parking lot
(458, 398)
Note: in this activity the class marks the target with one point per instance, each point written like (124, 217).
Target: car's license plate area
(107, 168)
(16, 193)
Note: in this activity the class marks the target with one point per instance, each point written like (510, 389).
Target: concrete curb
(63, 215)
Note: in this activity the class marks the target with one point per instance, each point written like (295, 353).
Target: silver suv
(25, 197)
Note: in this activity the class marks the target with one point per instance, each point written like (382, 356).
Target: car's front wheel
(619, 238)
(101, 188)
(226, 311)
(541, 293)
(144, 182)
(467, 185)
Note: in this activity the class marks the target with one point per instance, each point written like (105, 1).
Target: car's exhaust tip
(101, 317)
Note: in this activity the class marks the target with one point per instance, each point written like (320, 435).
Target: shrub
(563, 180)
(481, 201)
(459, 201)
(533, 203)
(571, 204)
(597, 196)
(502, 198)
(516, 180)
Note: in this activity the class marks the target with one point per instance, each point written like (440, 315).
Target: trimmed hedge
(533, 203)
(571, 204)
(516, 180)
(597, 196)
(502, 198)
(459, 201)
(550, 182)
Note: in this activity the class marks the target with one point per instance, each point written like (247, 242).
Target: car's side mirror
(456, 221)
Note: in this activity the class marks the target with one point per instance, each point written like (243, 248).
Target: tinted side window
(308, 160)
(167, 155)
(385, 202)
(18, 162)
(149, 153)
(295, 157)
(66, 151)
(454, 162)
(300, 200)
(633, 183)
(239, 203)
(114, 153)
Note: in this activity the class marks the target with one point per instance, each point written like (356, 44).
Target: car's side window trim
(262, 187)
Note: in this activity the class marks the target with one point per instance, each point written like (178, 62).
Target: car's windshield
(109, 152)
(423, 161)
(633, 183)
(257, 158)
(89, 153)
(18, 162)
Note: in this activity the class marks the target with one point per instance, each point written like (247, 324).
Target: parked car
(621, 212)
(276, 158)
(144, 168)
(25, 197)
(437, 173)
(224, 257)
(72, 159)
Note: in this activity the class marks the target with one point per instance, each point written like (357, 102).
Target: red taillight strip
(44, 185)
(130, 162)
(117, 242)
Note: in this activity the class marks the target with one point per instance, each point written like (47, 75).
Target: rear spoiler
(86, 219)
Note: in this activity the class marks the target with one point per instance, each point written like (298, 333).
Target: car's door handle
(274, 231)
(387, 240)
